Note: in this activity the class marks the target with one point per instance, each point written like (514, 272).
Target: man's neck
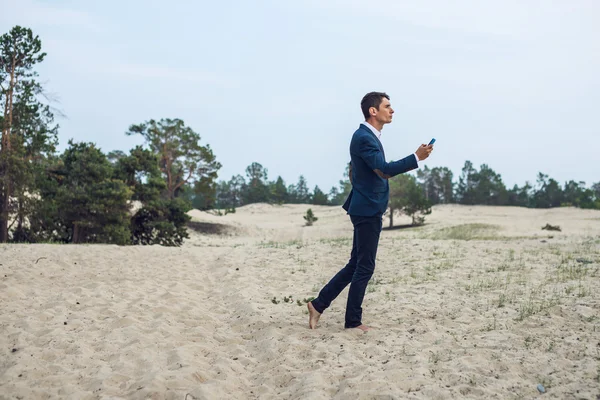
(375, 124)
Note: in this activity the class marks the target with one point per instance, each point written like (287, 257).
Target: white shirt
(378, 134)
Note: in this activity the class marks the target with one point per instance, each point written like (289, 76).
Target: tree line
(255, 187)
(485, 186)
(414, 195)
(84, 195)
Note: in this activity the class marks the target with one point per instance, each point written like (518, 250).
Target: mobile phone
(432, 142)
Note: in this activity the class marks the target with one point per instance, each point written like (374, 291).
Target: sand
(478, 303)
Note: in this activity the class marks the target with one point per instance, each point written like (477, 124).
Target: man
(367, 202)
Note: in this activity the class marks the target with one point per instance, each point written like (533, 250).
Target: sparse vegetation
(285, 299)
(337, 242)
(310, 218)
(467, 232)
(304, 301)
(281, 245)
(535, 305)
(491, 326)
(549, 227)
(434, 357)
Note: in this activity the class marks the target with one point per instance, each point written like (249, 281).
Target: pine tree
(318, 197)
(181, 158)
(408, 197)
(279, 192)
(310, 217)
(28, 138)
(83, 201)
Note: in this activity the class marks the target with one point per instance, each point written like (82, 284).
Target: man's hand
(423, 151)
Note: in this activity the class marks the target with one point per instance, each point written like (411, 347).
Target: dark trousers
(357, 272)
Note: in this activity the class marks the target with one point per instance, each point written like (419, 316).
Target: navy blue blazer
(370, 193)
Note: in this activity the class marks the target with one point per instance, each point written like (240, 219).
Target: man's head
(377, 109)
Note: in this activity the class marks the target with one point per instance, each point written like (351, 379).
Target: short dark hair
(372, 99)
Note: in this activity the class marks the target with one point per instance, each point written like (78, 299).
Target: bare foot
(363, 328)
(313, 316)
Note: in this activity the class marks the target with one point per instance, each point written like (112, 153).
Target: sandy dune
(479, 303)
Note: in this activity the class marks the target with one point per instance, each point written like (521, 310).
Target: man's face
(385, 112)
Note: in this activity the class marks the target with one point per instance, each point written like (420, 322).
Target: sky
(512, 84)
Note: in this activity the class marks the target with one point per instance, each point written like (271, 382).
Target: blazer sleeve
(371, 154)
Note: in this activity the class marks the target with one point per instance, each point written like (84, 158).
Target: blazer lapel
(375, 136)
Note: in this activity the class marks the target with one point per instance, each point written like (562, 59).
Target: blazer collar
(371, 129)
(366, 128)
